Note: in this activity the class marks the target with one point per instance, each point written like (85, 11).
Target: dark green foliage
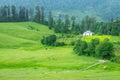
(88, 23)
(105, 50)
(84, 48)
(66, 24)
(22, 15)
(80, 47)
(58, 26)
(77, 29)
(49, 40)
(62, 26)
(50, 20)
(116, 59)
(13, 14)
(42, 15)
(37, 17)
(102, 50)
(27, 15)
(73, 22)
(92, 46)
(72, 43)
(109, 28)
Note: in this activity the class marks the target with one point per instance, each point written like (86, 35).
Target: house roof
(88, 32)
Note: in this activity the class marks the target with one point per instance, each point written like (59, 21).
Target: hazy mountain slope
(102, 9)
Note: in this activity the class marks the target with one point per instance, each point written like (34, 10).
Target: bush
(102, 50)
(72, 43)
(49, 40)
(116, 59)
(92, 46)
(80, 47)
(105, 50)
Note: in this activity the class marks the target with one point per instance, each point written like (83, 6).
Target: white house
(88, 33)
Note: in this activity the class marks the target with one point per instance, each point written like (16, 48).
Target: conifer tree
(50, 20)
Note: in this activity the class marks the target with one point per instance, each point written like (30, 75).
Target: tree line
(19, 14)
(70, 25)
(63, 24)
(104, 49)
(12, 14)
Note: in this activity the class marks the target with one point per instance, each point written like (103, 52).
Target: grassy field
(22, 57)
(53, 64)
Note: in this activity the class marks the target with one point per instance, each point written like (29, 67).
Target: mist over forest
(103, 10)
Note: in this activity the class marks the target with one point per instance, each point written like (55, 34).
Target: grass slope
(21, 60)
(20, 33)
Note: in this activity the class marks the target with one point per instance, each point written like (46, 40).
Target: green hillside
(22, 57)
(21, 33)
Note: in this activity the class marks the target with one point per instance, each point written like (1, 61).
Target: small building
(88, 33)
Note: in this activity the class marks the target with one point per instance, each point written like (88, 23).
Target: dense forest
(101, 9)
(63, 24)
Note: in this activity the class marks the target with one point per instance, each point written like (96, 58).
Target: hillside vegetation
(112, 38)
(23, 57)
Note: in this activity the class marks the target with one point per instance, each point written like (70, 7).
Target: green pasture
(53, 64)
(23, 57)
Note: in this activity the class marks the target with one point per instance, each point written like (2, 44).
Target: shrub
(92, 46)
(72, 43)
(102, 50)
(105, 50)
(80, 47)
(116, 59)
(49, 40)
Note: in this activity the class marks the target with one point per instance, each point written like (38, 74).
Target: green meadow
(23, 57)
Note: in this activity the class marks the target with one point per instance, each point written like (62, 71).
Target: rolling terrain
(23, 57)
(19, 34)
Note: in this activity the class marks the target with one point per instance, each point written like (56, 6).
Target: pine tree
(8, 13)
(27, 15)
(37, 17)
(22, 14)
(42, 15)
(14, 13)
(58, 25)
(73, 22)
(66, 24)
(50, 20)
